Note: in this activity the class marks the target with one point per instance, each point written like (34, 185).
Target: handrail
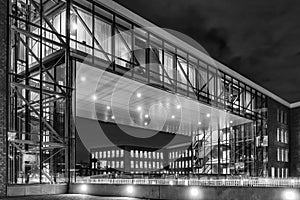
(259, 182)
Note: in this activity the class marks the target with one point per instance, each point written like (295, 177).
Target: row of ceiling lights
(139, 108)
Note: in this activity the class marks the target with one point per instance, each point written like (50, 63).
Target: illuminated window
(145, 164)
(149, 154)
(141, 154)
(108, 154)
(122, 164)
(102, 35)
(282, 155)
(282, 135)
(286, 155)
(117, 153)
(93, 155)
(136, 164)
(149, 165)
(153, 154)
(100, 154)
(132, 153)
(123, 48)
(161, 155)
(157, 155)
(122, 153)
(278, 154)
(113, 164)
(157, 165)
(131, 164)
(145, 154)
(286, 137)
(141, 164)
(170, 155)
(113, 153)
(96, 155)
(153, 165)
(117, 164)
(278, 134)
(104, 154)
(136, 153)
(273, 172)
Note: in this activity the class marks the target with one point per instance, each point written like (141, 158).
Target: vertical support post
(219, 151)
(4, 53)
(27, 95)
(68, 102)
(41, 91)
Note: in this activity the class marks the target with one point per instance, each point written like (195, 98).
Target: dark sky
(257, 38)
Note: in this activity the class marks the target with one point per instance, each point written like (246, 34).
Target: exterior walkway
(67, 197)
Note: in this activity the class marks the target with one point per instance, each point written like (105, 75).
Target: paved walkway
(67, 197)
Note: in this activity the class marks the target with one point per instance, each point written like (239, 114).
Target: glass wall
(43, 47)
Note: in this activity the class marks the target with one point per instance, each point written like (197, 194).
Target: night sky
(260, 39)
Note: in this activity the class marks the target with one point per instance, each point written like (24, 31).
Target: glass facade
(48, 44)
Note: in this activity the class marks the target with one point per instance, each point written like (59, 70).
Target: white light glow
(139, 108)
(207, 115)
(83, 79)
(130, 189)
(289, 195)
(199, 123)
(83, 188)
(94, 97)
(108, 107)
(186, 182)
(171, 183)
(194, 192)
(231, 122)
(146, 116)
(112, 117)
(178, 106)
(74, 26)
(173, 116)
(139, 95)
(145, 123)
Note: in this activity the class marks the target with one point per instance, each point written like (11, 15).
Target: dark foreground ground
(67, 197)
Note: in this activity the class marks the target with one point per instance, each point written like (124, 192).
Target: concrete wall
(184, 192)
(3, 93)
(295, 142)
(43, 189)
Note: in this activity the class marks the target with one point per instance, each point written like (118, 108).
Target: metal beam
(47, 22)
(55, 134)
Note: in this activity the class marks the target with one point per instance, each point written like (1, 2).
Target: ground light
(129, 189)
(171, 182)
(83, 188)
(194, 192)
(289, 194)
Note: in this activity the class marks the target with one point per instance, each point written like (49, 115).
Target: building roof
(190, 49)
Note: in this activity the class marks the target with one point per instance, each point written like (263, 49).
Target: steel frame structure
(42, 72)
(41, 134)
